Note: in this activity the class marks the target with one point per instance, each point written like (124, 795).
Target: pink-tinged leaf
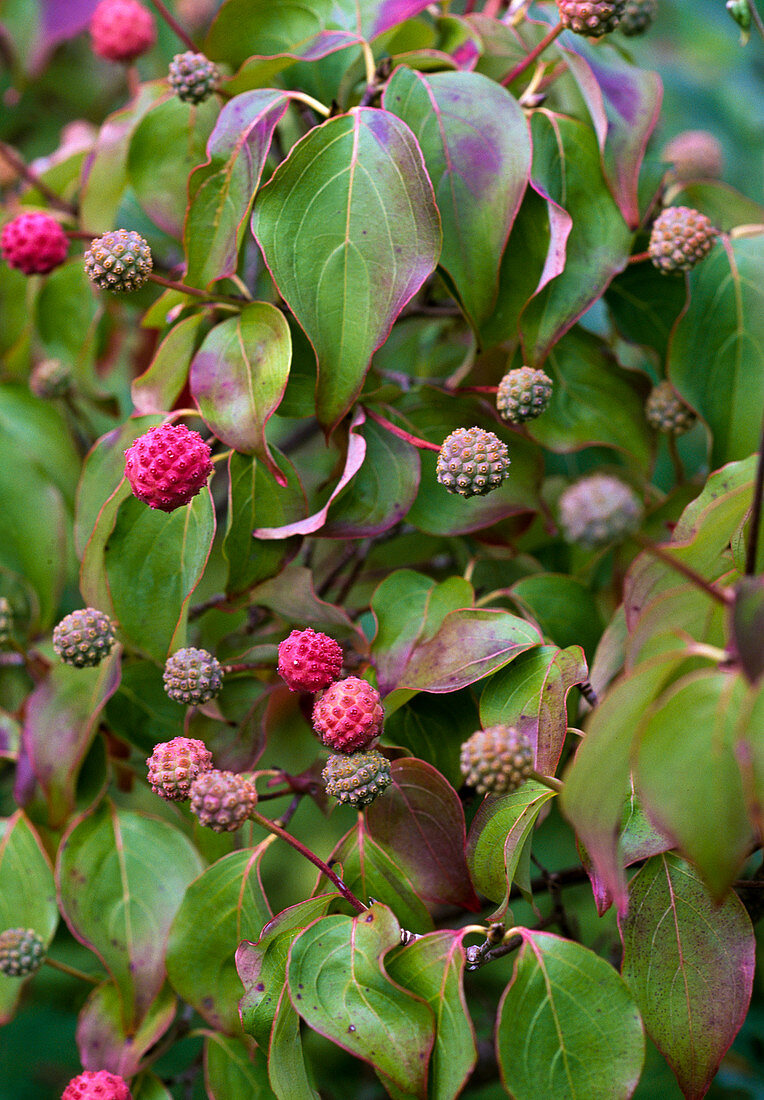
(470, 644)
(349, 229)
(689, 962)
(624, 103)
(59, 22)
(61, 719)
(377, 16)
(560, 225)
(421, 821)
(353, 461)
(221, 190)
(238, 378)
(476, 145)
(103, 1041)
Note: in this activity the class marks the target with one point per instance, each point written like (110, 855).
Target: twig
(756, 18)
(527, 61)
(639, 257)
(414, 440)
(173, 24)
(72, 971)
(676, 460)
(548, 781)
(758, 493)
(11, 156)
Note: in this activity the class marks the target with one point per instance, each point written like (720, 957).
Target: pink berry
(34, 243)
(122, 30)
(100, 1085)
(168, 466)
(309, 661)
(174, 765)
(348, 716)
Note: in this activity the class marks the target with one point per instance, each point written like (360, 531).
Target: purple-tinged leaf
(104, 1042)
(160, 386)
(356, 453)
(238, 378)
(689, 962)
(470, 644)
(221, 190)
(339, 985)
(349, 229)
(476, 145)
(421, 821)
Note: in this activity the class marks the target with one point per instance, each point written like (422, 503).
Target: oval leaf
(102, 1038)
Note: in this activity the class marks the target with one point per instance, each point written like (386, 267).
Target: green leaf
(433, 727)
(432, 967)
(645, 305)
(104, 1039)
(291, 595)
(234, 1070)
(39, 433)
(338, 984)
(160, 386)
(286, 1063)
(67, 292)
(140, 711)
(350, 231)
(689, 962)
(725, 206)
(239, 375)
(121, 878)
(223, 906)
(716, 358)
(568, 1026)
(564, 608)
(475, 140)
(148, 1087)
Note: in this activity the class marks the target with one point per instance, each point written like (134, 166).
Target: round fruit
(22, 952)
(666, 412)
(6, 620)
(591, 17)
(496, 760)
(680, 238)
(51, 378)
(356, 778)
(174, 765)
(193, 76)
(472, 462)
(523, 394)
(309, 660)
(168, 466)
(84, 638)
(348, 716)
(638, 16)
(599, 509)
(98, 1085)
(694, 155)
(119, 261)
(222, 800)
(33, 243)
(121, 30)
(192, 676)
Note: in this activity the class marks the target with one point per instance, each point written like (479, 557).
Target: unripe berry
(591, 17)
(122, 30)
(119, 261)
(356, 778)
(680, 238)
(599, 509)
(496, 760)
(638, 16)
(51, 378)
(472, 462)
(174, 765)
(33, 243)
(221, 800)
(666, 412)
(193, 76)
(22, 952)
(523, 394)
(694, 155)
(309, 660)
(6, 621)
(84, 638)
(348, 716)
(98, 1085)
(192, 676)
(168, 466)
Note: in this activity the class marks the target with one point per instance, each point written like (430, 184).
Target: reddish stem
(657, 551)
(414, 440)
(639, 257)
(173, 24)
(526, 63)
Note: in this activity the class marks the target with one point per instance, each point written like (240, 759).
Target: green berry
(193, 76)
(638, 16)
(222, 801)
(523, 394)
(22, 952)
(680, 238)
(192, 676)
(472, 462)
(666, 412)
(84, 638)
(591, 17)
(119, 261)
(496, 760)
(356, 778)
(599, 509)
(6, 621)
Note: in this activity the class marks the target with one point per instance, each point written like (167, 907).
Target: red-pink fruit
(122, 30)
(174, 765)
(222, 800)
(34, 243)
(348, 716)
(99, 1085)
(309, 660)
(168, 466)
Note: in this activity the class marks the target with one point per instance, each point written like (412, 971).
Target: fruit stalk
(527, 61)
(174, 25)
(11, 156)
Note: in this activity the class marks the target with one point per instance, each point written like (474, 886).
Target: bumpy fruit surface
(174, 765)
(168, 466)
(192, 676)
(121, 30)
(22, 952)
(356, 778)
(472, 462)
(309, 660)
(6, 620)
(84, 638)
(33, 243)
(193, 76)
(592, 17)
(119, 261)
(348, 715)
(680, 238)
(666, 412)
(638, 16)
(523, 394)
(496, 760)
(51, 378)
(99, 1085)
(599, 509)
(695, 155)
(222, 800)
